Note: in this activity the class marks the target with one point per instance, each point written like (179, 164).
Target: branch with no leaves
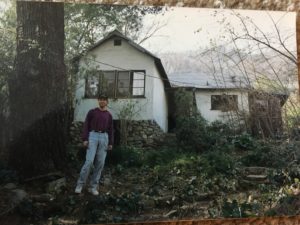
(152, 30)
(266, 40)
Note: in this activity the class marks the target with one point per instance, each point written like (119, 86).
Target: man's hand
(85, 143)
(109, 148)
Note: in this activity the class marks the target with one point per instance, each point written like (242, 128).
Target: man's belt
(99, 131)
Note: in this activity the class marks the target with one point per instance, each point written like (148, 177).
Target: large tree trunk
(38, 89)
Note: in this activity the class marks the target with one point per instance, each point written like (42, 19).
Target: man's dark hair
(102, 96)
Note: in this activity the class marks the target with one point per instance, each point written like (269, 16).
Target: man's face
(102, 102)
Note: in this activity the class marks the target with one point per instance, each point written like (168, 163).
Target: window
(92, 83)
(224, 103)
(116, 84)
(117, 42)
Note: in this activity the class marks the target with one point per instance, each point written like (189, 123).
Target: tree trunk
(38, 118)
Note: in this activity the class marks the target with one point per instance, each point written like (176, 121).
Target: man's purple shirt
(98, 120)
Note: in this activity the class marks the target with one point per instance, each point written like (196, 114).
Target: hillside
(242, 177)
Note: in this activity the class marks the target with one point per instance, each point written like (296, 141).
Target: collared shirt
(98, 120)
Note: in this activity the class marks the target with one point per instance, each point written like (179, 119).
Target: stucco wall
(160, 104)
(128, 58)
(203, 101)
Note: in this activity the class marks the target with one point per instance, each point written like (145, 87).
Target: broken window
(224, 103)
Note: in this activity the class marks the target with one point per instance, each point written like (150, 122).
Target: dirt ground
(125, 195)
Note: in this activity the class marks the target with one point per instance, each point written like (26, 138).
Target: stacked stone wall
(144, 133)
(75, 133)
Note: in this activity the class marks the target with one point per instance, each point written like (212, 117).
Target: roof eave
(162, 72)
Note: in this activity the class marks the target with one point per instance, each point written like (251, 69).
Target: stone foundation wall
(75, 133)
(144, 133)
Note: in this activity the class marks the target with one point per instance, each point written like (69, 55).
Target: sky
(193, 28)
(188, 32)
(4, 4)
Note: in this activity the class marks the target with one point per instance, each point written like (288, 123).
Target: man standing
(98, 138)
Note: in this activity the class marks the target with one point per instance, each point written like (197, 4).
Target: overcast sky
(194, 28)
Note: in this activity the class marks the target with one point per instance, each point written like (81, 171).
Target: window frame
(131, 83)
(100, 74)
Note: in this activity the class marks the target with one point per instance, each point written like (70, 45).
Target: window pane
(224, 103)
(117, 42)
(123, 92)
(91, 89)
(138, 91)
(216, 102)
(123, 84)
(124, 75)
(138, 84)
(138, 76)
(108, 83)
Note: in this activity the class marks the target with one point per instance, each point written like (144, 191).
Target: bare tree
(265, 61)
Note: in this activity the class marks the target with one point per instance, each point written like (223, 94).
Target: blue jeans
(95, 154)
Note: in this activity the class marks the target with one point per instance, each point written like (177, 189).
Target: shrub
(160, 156)
(221, 128)
(267, 155)
(192, 133)
(125, 155)
(191, 127)
(214, 162)
(244, 142)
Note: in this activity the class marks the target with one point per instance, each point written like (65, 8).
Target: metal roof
(204, 81)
